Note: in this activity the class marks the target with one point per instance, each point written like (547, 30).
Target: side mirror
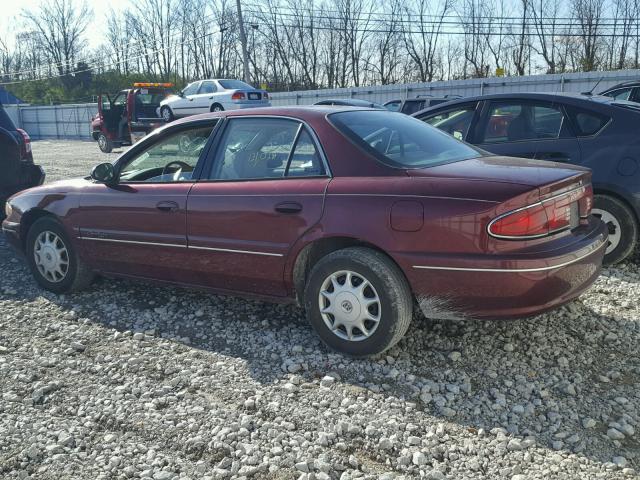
(103, 173)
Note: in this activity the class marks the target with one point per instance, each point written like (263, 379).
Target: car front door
(529, 129)
(266, 189)
(136, 225)
(186, 105)
(204, 98)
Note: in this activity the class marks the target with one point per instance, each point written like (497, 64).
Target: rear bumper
(500, 288)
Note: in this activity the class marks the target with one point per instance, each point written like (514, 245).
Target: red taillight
(541, 219)
(25, 148)
(237, 96)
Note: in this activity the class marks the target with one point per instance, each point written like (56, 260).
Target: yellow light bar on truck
(151, 84)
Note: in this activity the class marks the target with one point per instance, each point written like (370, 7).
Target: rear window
(586, 122)
(399, 140)
(234, 84)
(5, 120)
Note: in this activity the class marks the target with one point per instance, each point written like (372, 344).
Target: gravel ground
(134, 381)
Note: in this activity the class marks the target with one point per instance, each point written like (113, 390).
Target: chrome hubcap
(349, 305)
(102, 141)
(51, 256)
(166, 114)
(613, 226)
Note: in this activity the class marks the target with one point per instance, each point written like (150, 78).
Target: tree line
(308, 44)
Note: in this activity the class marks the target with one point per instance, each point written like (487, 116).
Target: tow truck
(130, 115)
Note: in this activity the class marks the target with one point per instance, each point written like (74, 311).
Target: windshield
(234, 84)
(401, 141)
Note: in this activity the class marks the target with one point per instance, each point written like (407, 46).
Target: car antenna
(590, 92)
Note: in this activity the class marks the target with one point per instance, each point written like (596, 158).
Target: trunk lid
(523, 171)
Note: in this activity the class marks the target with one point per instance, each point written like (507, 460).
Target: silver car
(214, 95)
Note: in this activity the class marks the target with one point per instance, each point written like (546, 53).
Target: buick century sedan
(360, 215)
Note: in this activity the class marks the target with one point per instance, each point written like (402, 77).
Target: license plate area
(254, 96)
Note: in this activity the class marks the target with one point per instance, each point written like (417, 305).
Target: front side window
(455, 122)
(399, 140)
(392, 106)
(171, 159)
(191, 89)
(120, 100)
(259, 148)
(513, 121)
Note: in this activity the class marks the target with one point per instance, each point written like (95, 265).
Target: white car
(212, 96)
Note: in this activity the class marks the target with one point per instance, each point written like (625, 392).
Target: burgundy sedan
(359, 215)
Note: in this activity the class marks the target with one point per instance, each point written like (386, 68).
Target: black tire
(77, 276)
(216, 107)
(167, 114)
(104, 143)
(391, 286)
(625, 219)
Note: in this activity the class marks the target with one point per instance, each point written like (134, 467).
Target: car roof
(631, 83)
(301, 112)
(565, 97)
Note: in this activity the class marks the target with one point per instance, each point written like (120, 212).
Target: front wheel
(622, 227)
(358, 301)
(105, 143)
(53, 260)
(166, 114)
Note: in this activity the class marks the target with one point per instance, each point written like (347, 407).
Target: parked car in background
(215, 95)
(350, 102)
(354, 213)
(597, 132)
(17, 170)
(624, 91)
(129, 115)
(411, 105)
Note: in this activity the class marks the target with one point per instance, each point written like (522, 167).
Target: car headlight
(8, 209)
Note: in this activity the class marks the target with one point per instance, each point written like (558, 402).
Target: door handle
(167, 206)
(288, 207)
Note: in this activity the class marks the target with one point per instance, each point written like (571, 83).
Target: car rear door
(136, 226)
(267, 179)
(526, 128)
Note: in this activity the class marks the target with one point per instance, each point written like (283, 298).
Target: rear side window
(622, 94)
(207, 87)
(399, 140)
(515, 121)
(586, 122)
(260, 148)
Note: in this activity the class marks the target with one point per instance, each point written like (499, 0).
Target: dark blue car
(597, 132)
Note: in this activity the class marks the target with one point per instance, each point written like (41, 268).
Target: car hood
(60, 187)
(500, 169)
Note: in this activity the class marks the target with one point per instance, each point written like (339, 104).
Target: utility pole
(243, 41)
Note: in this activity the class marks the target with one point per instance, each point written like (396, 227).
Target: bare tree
(60, 25)
(588, 16)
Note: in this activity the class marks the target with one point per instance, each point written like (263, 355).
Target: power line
(111, 64)
(63, 64)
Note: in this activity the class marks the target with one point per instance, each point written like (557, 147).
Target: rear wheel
(622, 227)
(216, 107)
(358, 301)
(105, 143)
(53, 260)
(166, 114)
